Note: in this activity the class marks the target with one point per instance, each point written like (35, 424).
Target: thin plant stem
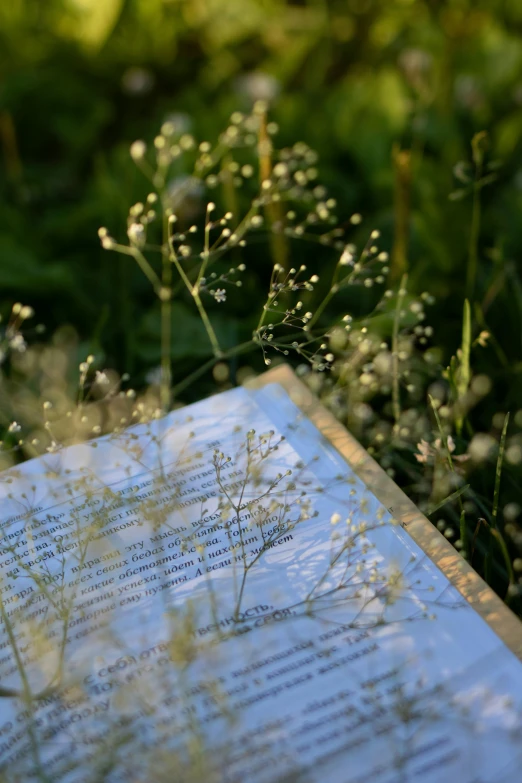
(396, 400)
(319, 311)
(237, 350)
(498, 472)
(143, 264)
(463, 529)
(206, 252)
(194, 292)
(473, 240)
(273, 209)
(218, 353)
(264, 311)
(403, 180)
(245, 347)
(336, 284)
(27, 694)
(166, 320)
(478, 159)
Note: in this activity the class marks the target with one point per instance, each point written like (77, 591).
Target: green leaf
(449, 499)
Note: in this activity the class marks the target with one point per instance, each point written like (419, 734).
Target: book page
(218, 594)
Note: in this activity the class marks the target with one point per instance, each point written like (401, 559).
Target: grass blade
(498, 472)
(464, 369)
(449, 499)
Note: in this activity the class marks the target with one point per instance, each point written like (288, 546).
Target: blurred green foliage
(356, 79)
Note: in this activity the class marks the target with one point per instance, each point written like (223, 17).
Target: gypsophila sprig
(160, 226)
(11, 336)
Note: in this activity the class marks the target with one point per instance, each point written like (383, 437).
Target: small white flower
(17, 343)
(424, 451)
(449, 442)
(14, 427)
(481, 447)
(138, 150)
(101, 378)
(220, 295)
(258, 86)
(136, 234)
(26, 312)
(335, 519)
(483, 338)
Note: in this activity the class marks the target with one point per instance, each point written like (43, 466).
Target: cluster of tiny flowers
(11, 337)
(366, 368)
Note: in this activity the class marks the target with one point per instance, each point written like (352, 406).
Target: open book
(217, 595)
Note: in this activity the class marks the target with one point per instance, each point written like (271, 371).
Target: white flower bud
(138, 150)
(136, 234)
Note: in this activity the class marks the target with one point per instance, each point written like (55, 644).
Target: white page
(300, 672)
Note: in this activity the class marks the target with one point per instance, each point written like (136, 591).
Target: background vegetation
(415, 110)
